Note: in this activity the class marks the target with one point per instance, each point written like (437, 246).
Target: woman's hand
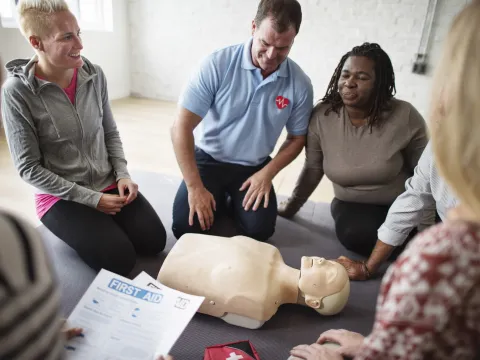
(72, 332)
(111, 204)
(127, 184)
(350, 342)
(286, 210)
(313, 352)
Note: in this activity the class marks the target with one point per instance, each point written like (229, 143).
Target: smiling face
(61, 45)
(269, 47)
(357, 82)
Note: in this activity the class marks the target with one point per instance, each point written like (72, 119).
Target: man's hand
(356, 269)
(127, 184)
(201, 202)
(314, 352)
(111, 204)
(260, 183)
(259, 186)
(350, 342)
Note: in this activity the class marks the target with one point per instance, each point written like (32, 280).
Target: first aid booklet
(129, 319)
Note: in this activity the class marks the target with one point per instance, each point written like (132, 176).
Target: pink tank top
(44, 202)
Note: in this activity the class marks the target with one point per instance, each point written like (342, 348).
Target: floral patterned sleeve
(429, 303)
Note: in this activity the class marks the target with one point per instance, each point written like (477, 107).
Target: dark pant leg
(259, 224)
(211, 172)
(94, 235)
(142, 225)
(356, 224)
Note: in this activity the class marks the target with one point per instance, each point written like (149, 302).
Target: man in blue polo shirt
(231, 115)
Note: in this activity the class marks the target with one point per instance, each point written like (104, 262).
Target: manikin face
(319, 278)
(61, 45)
(270, 48)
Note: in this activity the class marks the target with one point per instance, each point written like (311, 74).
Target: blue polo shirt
(243, 114)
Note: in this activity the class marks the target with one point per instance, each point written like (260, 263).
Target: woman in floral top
(429, 303)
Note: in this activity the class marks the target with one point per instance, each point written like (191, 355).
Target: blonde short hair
(456, 108)
(34, 15)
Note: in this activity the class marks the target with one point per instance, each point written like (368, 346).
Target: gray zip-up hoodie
(69, 151)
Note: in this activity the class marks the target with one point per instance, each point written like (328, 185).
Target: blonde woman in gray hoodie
(65, 143)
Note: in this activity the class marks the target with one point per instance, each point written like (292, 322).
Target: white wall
(108, 49)
(169, 37)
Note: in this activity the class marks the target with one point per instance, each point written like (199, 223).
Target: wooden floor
(145, 129)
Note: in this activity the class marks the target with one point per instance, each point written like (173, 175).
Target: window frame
(104, 8)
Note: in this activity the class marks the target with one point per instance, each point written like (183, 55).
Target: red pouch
(239, 350)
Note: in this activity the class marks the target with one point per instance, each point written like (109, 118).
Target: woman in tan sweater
(367, 143)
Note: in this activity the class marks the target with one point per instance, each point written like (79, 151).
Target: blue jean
(223, 180)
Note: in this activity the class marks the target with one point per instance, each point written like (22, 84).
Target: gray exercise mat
(310, 232)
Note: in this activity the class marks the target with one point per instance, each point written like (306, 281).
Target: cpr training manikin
(244, 281)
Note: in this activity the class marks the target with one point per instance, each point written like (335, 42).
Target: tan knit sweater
(364, 166)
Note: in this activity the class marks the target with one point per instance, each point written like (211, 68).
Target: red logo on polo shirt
(282, 102)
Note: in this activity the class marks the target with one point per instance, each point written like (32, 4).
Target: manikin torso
(244, 281)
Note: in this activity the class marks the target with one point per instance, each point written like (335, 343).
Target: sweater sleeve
(312, 171)
(113, 141)
(27, 158)
(29, 298)
(418, 138)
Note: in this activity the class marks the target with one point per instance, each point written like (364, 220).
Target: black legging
(356, 226)
(106, 241)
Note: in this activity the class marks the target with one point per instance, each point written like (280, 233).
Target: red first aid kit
(240, 350)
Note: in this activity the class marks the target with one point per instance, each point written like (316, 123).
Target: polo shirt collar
(283, 69)
(247, 63)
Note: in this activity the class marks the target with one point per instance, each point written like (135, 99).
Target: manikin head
(53, 32)
(324, 285)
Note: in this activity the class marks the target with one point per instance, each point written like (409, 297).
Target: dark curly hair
(384, 88)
